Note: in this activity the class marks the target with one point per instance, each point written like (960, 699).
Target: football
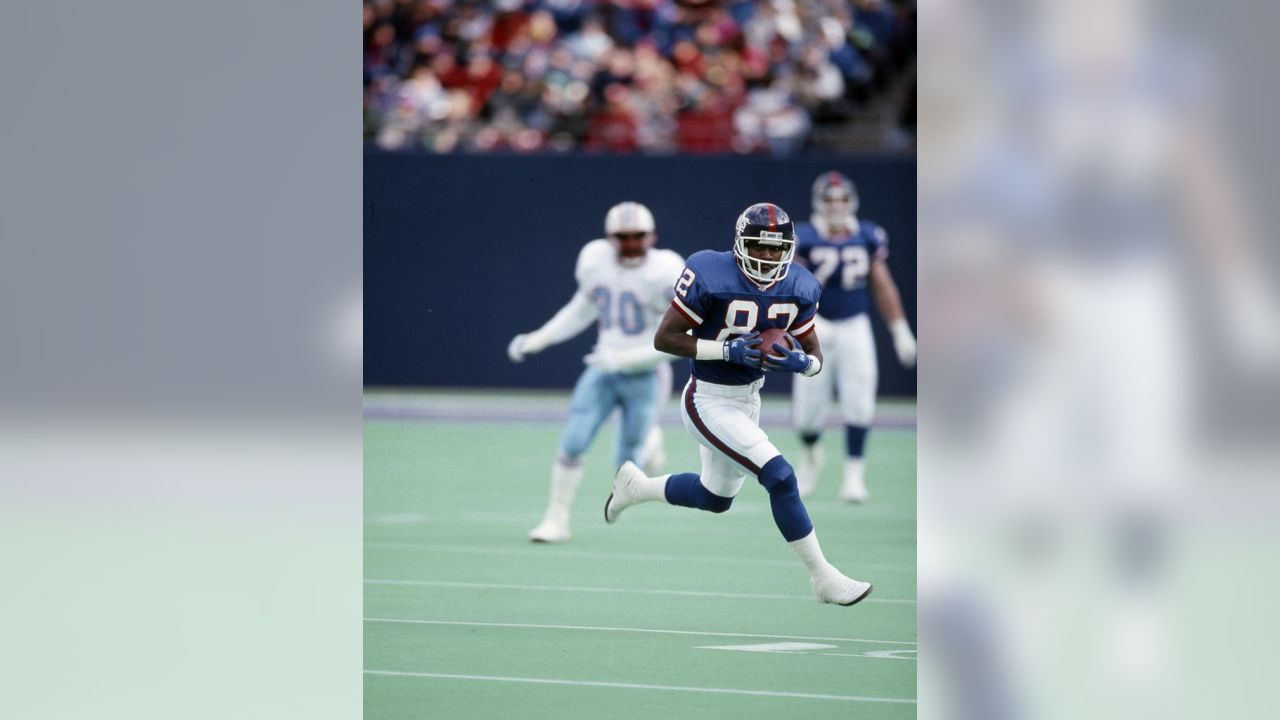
(776, 335)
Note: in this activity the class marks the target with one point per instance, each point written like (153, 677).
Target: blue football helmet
(764, 225)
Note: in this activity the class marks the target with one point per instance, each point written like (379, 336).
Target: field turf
(670, 613)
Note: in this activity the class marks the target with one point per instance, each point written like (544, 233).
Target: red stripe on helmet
(773, 219)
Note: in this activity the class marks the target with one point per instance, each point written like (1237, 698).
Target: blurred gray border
(180, 413)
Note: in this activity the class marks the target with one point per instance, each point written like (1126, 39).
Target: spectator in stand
(708, 126)
(615, 127)
(650, 76)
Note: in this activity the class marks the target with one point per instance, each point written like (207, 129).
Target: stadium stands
(639, 76)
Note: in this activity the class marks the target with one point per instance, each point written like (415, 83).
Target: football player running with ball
(624, 284)
(722, 302)
(847, 256)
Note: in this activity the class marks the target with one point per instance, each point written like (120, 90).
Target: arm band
(901, 327)
(710, 350)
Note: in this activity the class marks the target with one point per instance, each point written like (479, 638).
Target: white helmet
(629, 226)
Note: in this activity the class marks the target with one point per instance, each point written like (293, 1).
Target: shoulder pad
(593, 255)
(668, 260)
(875, 232)
(805, 283)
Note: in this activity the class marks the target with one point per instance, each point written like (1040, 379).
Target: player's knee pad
(778, 477)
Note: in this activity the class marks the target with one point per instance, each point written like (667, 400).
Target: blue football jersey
(720, 302)
(841, 264)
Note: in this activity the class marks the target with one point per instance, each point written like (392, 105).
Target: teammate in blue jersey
(722, 302)
(847, 256)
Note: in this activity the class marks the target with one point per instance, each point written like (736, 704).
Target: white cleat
(854, 487)
(838, 589)
(808, 469)
(854, 493)
(626, 491)
(549, 532)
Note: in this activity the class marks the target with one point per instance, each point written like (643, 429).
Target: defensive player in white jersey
(722, 302)
(848, 256)
(624, 285)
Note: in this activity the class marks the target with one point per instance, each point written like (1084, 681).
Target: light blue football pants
(595, 396)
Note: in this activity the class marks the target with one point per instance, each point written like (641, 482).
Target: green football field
(670, 613)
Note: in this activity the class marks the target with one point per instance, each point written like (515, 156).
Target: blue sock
(855, 439)
(784, 499)
(686, 489)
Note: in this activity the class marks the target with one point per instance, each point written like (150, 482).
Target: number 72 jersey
(720, 302)
(841, 263)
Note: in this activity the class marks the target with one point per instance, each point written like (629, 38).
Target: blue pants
(595, 396)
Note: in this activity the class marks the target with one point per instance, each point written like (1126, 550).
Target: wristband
(710, 350)
(815, 365)
(901, 327)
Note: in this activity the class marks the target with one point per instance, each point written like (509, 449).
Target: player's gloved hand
(784, 359)
(526, 344)
(743, 350)
(516, 349)
(904, 343)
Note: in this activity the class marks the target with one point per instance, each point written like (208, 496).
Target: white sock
(652, 445)
(565, 478)
(853, 469)
(652, 456)
(810, 552)
(652, 488)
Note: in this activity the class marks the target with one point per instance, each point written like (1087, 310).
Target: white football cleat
(837, 589)
(854, 487)
(807, 470)
(549, 532)
(627, 491)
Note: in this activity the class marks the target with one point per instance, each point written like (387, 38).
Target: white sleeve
(576, 316)
(590, 256)
(665, 292)
(644, 357)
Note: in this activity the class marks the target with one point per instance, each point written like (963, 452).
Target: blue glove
(743, 350)
(785, 359)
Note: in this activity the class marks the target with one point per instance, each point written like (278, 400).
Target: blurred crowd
(650, 76)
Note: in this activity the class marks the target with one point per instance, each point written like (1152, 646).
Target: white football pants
(848, 368)
(725, 420)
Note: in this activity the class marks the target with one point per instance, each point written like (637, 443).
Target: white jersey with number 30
(630, 299)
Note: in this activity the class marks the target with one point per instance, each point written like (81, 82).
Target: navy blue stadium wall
(463, 252)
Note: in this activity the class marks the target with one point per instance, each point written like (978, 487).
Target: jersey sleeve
(879, 243)
(589, 258)
(804, 322)
(672, 266)
(691, 295)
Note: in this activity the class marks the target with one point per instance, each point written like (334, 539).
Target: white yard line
(886, 655)
(620, 591)
(635, 686)
(658, 631)
(551, 553)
